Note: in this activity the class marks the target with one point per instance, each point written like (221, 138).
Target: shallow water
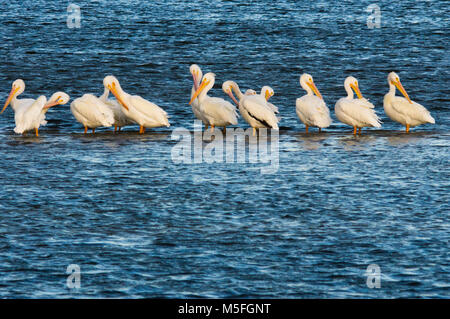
(141, 225)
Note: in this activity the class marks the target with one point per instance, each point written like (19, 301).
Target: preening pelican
(311, 109)
(120, 119)
(141, 111)
(355, 112)
(216, 111)
(197, 76)
(90, 111)
(267, 92)
(403, 110)
(29, 114)
(253, 108)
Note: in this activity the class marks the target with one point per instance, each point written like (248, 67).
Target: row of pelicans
(126, 109)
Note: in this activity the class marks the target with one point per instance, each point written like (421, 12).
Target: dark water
(140, 225)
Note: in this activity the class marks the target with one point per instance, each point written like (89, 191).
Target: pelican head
(58, 98)
(393, 79)
(267, 91)
(112, 84)
(18, 87)
(197, 75)
(352, 83)
(307, 83)
(228, 86)
(207, 81)
(250, 92)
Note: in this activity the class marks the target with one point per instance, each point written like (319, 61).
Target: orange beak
(10, 97)
(53, 103)
(400, 87)
(202, 86)
(116, 94)
(355, 87)
(268, 95)
(231, 95)
(314, 88)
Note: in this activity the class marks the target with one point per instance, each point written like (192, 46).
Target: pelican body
(253, 108)
(29, 114)
(146, 114)
(216, 111)
(404, 110)
(311, 109)
(355, 112)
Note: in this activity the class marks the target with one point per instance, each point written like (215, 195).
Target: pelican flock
(124, 109)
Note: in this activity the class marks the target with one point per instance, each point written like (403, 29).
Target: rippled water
(140, 225)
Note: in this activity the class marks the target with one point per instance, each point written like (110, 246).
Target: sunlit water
(141, 225)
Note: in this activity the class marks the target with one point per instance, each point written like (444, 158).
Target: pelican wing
(359, 112)
(257, 108)
(413, 111)
(29, 117)
(92, 109)
(152, 112)
(219, 109)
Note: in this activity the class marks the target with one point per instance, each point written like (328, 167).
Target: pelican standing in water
(216, 111)
(311, 109)
(120, 119)
(403, 110)
(90, 111)
(146, 114)
(253, 108)
(355, 112)
(29, 114)
(197, 76)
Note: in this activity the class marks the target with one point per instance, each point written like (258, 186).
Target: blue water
(140, 225)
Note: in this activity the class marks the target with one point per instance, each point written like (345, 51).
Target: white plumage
(355, 112)
(216, 111)
(253, 108)
(90, 111)
(29, 114)
(403, 110)
(311, 109)
(139, 110)
(197, 76)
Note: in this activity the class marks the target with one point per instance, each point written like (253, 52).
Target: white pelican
(216, 111)
(90, 111)
(253, 108)
(141, 111)
(403, 110)
(355, 112)
(29, 114)
(197, 76)
(120, 119)
(267, 92)
(311, 109)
